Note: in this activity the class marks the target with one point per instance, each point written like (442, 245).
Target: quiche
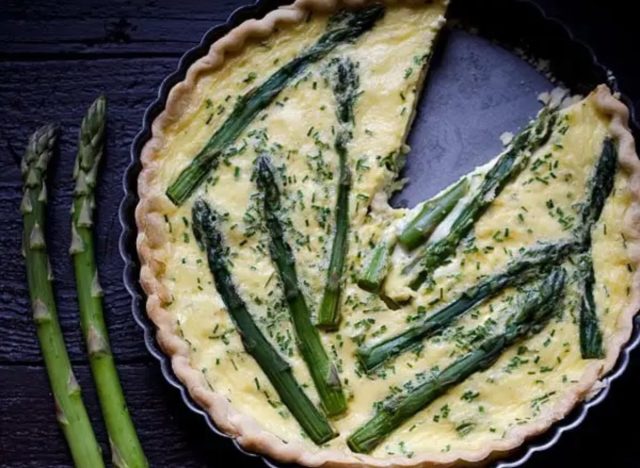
(317, 324)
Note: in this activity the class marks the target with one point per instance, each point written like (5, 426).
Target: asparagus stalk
(431, 214)
(344, 27)
(529, 318)
(71, 413)
(520, 270)
(377, 266)
(599, 188)
(345, 83)
(417, 231)
(277, 370)
(324, 373)
(508, 166)
(590, 334)
(126, 450)
(527, 263)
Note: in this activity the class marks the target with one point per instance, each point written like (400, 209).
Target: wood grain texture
(171, 436)
(55, 57)
(96, 27)
(32, 98)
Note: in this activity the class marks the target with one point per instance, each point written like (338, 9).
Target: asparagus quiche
(318, 325)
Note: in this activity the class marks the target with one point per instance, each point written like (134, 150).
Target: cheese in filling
(297, 132)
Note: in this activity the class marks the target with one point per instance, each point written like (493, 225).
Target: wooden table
(55, 58)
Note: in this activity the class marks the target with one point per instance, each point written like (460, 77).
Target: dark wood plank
(98, 27)
(171, 435)
(31, 97)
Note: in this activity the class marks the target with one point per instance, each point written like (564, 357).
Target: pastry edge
(245, 429)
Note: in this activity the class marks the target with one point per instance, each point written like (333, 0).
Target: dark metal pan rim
(129, 231)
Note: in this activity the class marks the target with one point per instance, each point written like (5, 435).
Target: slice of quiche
(318, 325)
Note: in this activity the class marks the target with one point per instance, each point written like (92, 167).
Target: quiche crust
(152, 241)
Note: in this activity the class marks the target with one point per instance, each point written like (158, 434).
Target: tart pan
(485, 77)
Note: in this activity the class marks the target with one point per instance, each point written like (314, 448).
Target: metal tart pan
(484, 79)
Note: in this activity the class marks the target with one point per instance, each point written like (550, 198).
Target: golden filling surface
(297, 131)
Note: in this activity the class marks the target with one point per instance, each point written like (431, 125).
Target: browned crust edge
(151, 240)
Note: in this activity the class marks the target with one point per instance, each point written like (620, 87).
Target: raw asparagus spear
(324, 373)
(344, 27)
(431, 214)
(530, 317)
(377, 266)
(126, 450)
(278, 371)
(71, 413)
(528, 264)
(508, 166)
(345, 83)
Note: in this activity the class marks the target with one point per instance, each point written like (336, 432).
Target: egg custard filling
(318, 325)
